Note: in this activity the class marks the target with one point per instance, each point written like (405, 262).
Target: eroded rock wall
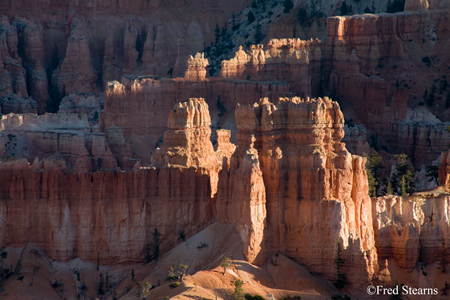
(307, 173)
(412, 229)
(142, 105)
(109, 214)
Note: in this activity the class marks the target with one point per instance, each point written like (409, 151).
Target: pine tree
(258, 34)
(217, 32)
(341, 278)
(288, 5)
(250, 17)
(238, 291)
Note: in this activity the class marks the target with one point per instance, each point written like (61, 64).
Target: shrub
(174, 284)
(254, 297)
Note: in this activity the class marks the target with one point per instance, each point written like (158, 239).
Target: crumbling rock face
(83, 104)
(196, 70)
(109, 215)
(16, 104)
(141, 105)
(223, 147)
(413, 5)
(307, 172)
(75, 74)
(412, 229)
(187, 141)
(293, 61)
(13, 75)
(355, 139)
(106, 215)
(64, 135)
(31, 32)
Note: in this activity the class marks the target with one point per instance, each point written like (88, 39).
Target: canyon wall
(412, 229)
(112, 214)
(50, 49)
(106, 214)
(367, 62)
(291, 168)
(142, 105)
(371, 67)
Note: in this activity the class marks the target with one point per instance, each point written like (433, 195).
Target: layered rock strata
(187, 140)
(111, 215)
(291, 167)
(293, 61)
(141, 105)
(106, 215)
(65, 136)
(412, 229)
(196, 67)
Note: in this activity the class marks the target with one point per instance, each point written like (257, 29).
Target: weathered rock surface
(187, 141)
(293, 61)
(355, 139)
(30, 34)
(108, 215)
(306, 172)
(17, 104)
(196, 70)
(412, 229)
(75, 74)
(65, 136)
(81, 104)
(141, 105)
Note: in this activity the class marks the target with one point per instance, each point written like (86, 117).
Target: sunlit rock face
(303, 190)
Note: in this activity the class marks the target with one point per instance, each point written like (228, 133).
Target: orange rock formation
(291, 168)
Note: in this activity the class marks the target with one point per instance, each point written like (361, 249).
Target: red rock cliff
(304, 190)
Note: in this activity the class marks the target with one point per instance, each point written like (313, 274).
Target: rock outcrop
(412, 229)
(197, 65)
(106, 215)
(66, 136)
(17, 104)
(109, 215)
(293, 61)
(187, 141)
(83, 104)
(291, 167)
(75, 74)
(141, 105)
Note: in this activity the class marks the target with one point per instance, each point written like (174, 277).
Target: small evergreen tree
(433, 174)
(404, 176)
(367, 10)
(156, 242)
(258, 34)
(217, 32)
(344, 9)
(302, 16)
(238, 291)
(395, 6)
(373, 169)
(226, 263)
(250, 17)
(341, 278)
(288, 5)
